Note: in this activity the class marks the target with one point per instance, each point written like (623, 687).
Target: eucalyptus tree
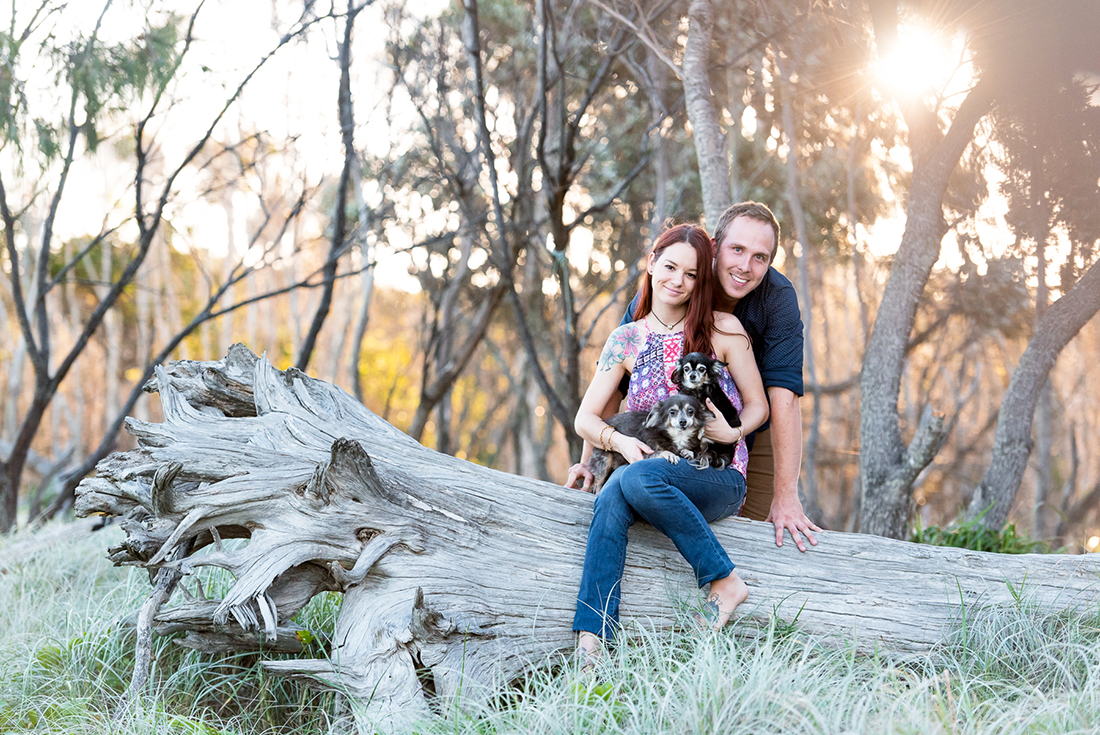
(1051, 144)
(441, 187)
(101, 89)
(1012, 45)
(529, 134)
(346, 116)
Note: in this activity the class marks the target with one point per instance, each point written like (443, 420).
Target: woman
(674, 316)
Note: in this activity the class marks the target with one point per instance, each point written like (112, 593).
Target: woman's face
(673, 273)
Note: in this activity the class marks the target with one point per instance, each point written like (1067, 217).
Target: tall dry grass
(66, 657)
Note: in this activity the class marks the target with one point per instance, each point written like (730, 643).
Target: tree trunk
(888, 467)
(1069, 490)
(346, 116)
(233, 251)
(736, 82)
(457, 578)
(1041, 511)
(145, 332)
(112, 332)
(366, 282)
(853, 219)
(662, 170)
(710, 143)
(1044, 449)
(1012, 441)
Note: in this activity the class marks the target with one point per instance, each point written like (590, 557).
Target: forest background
(443, 209)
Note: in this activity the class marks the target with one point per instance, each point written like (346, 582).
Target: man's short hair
(752, 210)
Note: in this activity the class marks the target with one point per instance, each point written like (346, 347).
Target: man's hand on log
(580, 472)
(790, 516)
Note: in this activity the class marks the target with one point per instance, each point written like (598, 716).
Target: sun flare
(924, 61)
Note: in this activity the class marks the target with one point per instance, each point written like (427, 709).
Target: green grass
(976, 537)
(65, 660)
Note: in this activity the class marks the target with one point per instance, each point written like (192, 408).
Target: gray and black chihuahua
(673, 429)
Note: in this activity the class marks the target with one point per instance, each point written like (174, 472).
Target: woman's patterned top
(651, 381)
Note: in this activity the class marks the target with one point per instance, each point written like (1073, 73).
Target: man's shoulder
(774, 292)
(775, 286)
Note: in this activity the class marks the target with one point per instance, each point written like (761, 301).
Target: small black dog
(697, 375)
(673, 429)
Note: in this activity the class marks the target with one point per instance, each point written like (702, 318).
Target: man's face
(743, 256)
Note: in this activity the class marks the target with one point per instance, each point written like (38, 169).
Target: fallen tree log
(457, 578)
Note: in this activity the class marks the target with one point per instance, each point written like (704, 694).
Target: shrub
(976, 537)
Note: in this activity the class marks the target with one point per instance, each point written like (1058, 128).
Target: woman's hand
(580, 473)
(631, 448)
(718, 430)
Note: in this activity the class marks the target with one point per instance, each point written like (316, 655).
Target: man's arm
(786, 427)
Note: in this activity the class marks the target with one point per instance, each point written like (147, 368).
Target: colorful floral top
(651, 381)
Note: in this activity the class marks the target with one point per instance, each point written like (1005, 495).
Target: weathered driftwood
(461, 574)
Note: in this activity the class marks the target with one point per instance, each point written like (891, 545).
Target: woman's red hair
(699, 323)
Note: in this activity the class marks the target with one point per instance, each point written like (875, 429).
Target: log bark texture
(457, 578)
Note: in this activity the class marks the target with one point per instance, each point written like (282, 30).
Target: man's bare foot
(589, 650)
(724, 597)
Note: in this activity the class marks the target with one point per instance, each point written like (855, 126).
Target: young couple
(722, 297)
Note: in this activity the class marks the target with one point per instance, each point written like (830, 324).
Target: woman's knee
(645, 481)
(647, 472)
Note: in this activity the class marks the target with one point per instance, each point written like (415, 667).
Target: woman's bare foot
(724, 597)
(589, 650)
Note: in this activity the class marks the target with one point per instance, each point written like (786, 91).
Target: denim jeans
(679, 501)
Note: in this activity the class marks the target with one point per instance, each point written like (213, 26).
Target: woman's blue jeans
(679, 501)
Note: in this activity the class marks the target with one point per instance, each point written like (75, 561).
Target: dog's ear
(717, 367)
(678, 373)
(654, 417)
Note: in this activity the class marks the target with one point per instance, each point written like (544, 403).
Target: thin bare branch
(645, 35)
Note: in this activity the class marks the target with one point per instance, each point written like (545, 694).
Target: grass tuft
(67, 654)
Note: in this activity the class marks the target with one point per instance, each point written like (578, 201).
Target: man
(746, 238)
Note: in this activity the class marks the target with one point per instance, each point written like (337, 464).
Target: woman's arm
(580, 476)
(617, 360)
(732, 346)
